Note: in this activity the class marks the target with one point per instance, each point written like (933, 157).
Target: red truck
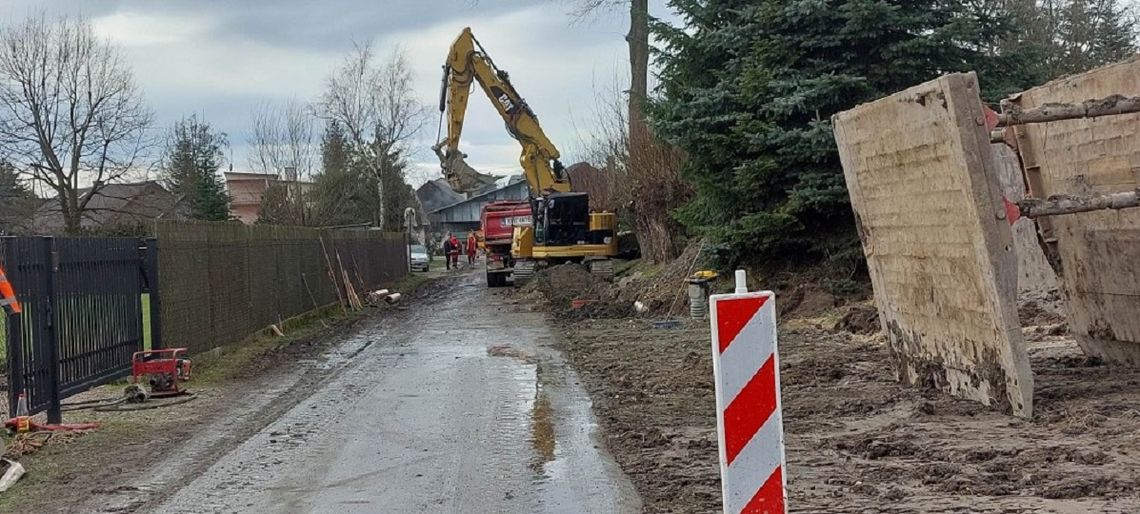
(497, 222)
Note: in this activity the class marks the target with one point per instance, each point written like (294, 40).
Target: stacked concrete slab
(927, 198)
(1099, 251)
(1037, 283)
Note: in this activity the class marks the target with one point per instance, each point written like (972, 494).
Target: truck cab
(497, 223)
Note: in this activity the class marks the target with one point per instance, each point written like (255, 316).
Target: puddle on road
(576, 476)
(506, 350)
(542, 431)
(567, 464)
(536, 404)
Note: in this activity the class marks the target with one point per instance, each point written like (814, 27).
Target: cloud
(131, 29)
(180, 56)
(553, 66)
(220, 58)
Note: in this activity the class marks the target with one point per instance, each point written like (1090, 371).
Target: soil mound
(861, 319)
(571, 291)
(662, 291)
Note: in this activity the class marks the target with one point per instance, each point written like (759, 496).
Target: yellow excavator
(563, 227)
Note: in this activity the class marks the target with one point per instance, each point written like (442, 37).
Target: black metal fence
(83, 302)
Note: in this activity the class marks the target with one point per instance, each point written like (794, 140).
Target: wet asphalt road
(464, 408)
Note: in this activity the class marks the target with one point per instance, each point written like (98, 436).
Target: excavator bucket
(461, 176)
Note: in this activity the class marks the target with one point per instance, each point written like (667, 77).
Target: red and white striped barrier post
(749, 423)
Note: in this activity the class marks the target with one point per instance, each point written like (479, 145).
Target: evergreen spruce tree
(194, 155)
(17, 202)
(748, 88)
(345, 191)
(398, 195)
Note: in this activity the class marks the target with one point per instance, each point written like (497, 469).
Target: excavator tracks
(603, 268)
(523, 272)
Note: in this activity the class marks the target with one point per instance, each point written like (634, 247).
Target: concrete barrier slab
(928, 205)
(1099, 251)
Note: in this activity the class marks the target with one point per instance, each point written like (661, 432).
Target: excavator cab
(562, 219)
(564, 230)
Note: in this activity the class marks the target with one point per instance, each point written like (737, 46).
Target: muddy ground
(239, 391)
(463, 407)
(857, 441)
(455, 403)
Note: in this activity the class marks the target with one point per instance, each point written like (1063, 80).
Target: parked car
(421, 260)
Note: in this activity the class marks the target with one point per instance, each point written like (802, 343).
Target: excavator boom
(561, 228)
(467, 62)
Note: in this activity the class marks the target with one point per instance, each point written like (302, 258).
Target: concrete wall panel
(1037, 283)
(1099, 251)
(927, 199)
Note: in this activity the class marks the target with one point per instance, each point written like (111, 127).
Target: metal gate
(83, 313)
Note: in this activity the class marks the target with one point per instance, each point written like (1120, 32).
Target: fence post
(150, 274)
(15, 326)
(51, 345)
(12, 363)
(15, 360)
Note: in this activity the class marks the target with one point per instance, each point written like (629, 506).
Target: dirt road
(462, 407)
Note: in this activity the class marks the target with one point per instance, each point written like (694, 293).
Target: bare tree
(1064, 37)
(283, 140)
(283, 144)
(644, 179)
(647, 169)
(605, 144)
(374, 104)
(70, 112)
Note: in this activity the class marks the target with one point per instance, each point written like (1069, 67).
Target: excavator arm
(466, 63)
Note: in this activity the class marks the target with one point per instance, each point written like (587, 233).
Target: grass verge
(230, 361)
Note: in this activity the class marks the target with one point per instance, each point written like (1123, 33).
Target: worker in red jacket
(453, 253)
(8, 300)
(472, 244)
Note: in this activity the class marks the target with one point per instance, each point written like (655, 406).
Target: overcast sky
(219, 59)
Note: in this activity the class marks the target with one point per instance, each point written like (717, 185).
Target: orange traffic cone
(23, 421)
